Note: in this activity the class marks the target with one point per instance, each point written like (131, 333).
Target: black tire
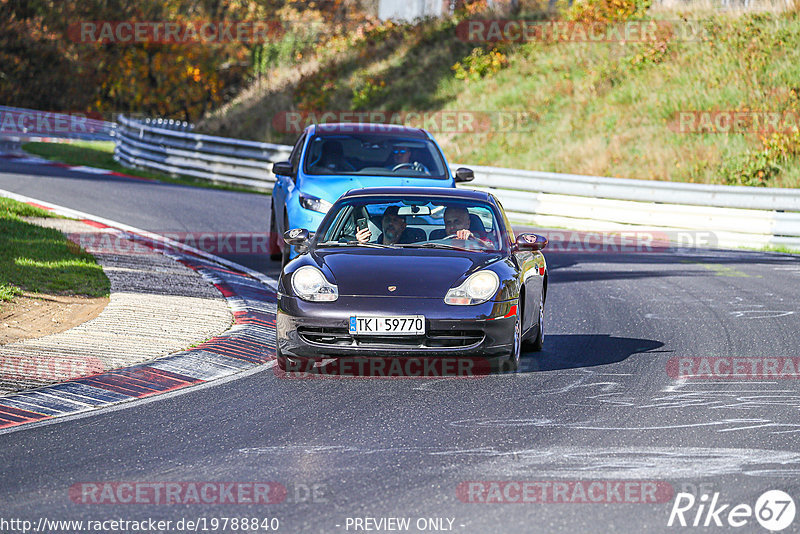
(537, 343)
(512, 363)
(274, 249)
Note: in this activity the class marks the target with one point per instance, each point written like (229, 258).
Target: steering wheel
(416, 166)
(471, 236)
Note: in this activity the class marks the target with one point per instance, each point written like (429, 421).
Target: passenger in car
(332, 158)
(395, 230)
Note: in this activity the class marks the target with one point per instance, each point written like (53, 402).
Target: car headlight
(476, 289)
(310, 284)
(315, 204)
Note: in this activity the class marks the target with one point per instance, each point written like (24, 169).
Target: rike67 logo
(774, 510)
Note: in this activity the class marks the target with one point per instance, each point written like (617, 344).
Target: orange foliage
(42, 65)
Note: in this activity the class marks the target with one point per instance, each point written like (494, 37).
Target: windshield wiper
(354, 244)
(434, 245)
(372, 245)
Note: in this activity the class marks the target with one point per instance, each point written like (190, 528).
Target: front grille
(326, 336)
(340, 337)
(453, 338)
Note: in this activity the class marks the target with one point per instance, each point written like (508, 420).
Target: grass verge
(42, 260)
(781, 249)
(100, 154)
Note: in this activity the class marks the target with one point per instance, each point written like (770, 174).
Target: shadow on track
(572, 351)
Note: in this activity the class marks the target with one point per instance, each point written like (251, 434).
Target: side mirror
(464, 175)
(283, 168)
(296, 237)
(531, 242)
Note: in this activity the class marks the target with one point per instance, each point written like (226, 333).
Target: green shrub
(367, 94)
(479, 64)
(761, 166)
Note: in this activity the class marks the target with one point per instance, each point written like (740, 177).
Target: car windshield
(374, 155)
(413, 223)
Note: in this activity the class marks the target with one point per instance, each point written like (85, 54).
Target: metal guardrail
(731, 227)
(723, 196)
(22, 123)
(170, 124)
(156, 146)
(736, 215)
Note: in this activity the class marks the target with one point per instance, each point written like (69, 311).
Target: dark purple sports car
(412, 272)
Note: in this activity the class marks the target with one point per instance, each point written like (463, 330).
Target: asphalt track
(596, 405)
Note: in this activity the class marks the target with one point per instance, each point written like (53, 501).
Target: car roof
(438, 192)
(366, 127)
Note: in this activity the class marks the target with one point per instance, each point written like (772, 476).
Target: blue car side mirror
(464, 175)
(283, 168)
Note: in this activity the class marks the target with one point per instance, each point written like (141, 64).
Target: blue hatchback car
(330, 159)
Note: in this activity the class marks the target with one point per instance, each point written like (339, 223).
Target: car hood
(330, 188)
(414, 273)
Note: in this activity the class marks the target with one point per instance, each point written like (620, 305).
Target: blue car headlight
(310, 284)
(314, 204)
(476, 289)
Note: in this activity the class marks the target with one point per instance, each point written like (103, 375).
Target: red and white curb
(246, 347)
(35, 160)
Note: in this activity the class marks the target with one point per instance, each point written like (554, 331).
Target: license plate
(388, 326)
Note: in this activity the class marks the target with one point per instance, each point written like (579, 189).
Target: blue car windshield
(373, 154)
(413, 222)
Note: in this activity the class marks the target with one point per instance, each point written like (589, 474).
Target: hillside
(600, 108)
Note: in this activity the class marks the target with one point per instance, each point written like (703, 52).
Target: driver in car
(401, 158)
(456, 223)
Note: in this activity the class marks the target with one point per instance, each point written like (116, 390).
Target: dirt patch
(34, 315)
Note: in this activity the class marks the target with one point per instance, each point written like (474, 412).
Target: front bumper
(320, 329)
